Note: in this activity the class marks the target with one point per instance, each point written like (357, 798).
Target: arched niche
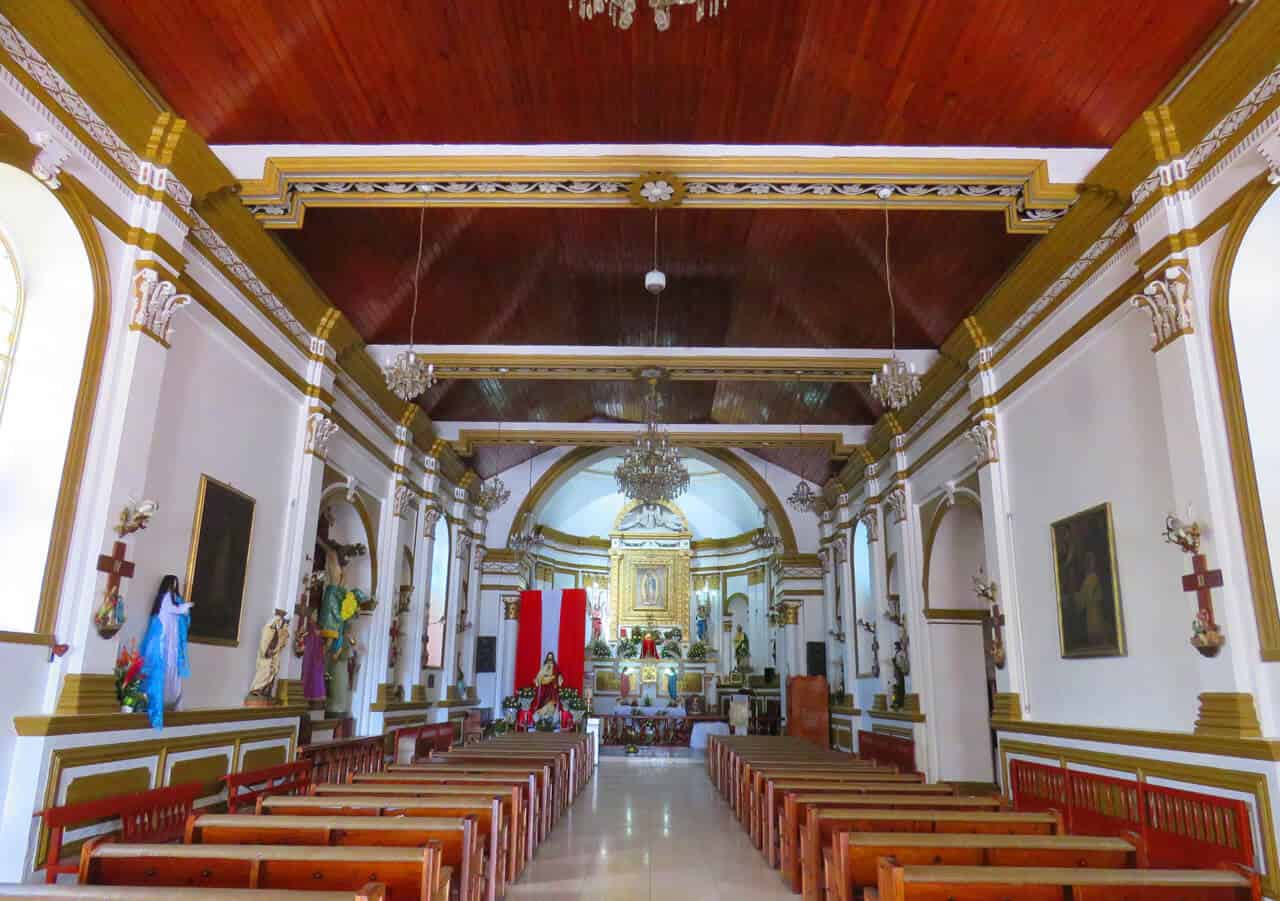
(1244, 318)
(53, 387)
(352, 523)
(954, 551)
(737, 608)
(727, 462)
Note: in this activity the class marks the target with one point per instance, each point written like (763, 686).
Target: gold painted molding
(79, 724)
(1144, 768)
(954, 615)
(833, 440)
(1250, 748)
(1228, 714)
(1266, 606)
(1007, 705)
(281, 197)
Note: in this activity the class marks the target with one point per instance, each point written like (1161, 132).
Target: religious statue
(651, 518)
(109, 617)
(672, 683)
(649, 645)
(546, 691)
(742, 651)
(164, 650)
(700, 622)
(393, 650)
(340, 657)
(597, 618)
(901, 667)
(339, 603)
(275, 636)
(460, 678)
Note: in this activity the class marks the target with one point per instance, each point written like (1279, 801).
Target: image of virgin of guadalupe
(164, 651)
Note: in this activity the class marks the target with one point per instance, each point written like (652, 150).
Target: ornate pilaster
(320, 431)
(1168, 300)
(896, 501)
(430, 519)
(401, 500)
(982, 434)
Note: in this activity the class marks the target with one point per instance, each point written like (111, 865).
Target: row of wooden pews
(459, 825)
(841, 828)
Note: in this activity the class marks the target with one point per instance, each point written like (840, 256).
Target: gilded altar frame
(622, 587)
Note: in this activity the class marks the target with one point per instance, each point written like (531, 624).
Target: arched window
(47, 396)
(10, 314)
(864, 604)
(437, 600)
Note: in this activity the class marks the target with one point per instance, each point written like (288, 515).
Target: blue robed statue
(164, 651)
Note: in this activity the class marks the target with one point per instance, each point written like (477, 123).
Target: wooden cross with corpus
(1202, 580)
(115, 566)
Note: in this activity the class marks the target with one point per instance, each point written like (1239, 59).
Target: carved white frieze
(403, 497)
(983, 436)
(896, 501)
(49, 161)
(320, 430)
(871, 522)
(1168, 300)
(502, 567)
(155, 300)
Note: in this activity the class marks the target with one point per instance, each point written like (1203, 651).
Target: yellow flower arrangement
(350, 604)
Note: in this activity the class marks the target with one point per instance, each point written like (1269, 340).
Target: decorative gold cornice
(1019, 188)
(833, 440)
(588, 541)
(1251, 748)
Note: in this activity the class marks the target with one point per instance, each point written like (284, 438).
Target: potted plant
(128, 672)
(628, 649)
(697, 652)
(599, 649)
(526, 697)
(510, 704)
(671, 650)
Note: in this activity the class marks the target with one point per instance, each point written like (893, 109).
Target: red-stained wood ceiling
(1038, 73)
(1042, 73)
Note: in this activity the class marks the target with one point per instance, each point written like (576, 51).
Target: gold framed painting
(1086, 577)
(650, 587)
(218, 564)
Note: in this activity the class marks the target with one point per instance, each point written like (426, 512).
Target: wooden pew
(407, 873)
(798, 806)
(372, 892)
(769, 816)
(755, 777)
(539, 824)
(912, 883)
(543, 787)
(459, 839)
(555, 768)
(499, 805)
(493, 818)
(852, 863)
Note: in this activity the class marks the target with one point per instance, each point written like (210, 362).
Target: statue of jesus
(546, 688)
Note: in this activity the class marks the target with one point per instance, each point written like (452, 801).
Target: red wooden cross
(115, 566)
(1201, 581)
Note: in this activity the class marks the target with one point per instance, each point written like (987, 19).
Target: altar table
(656, 731)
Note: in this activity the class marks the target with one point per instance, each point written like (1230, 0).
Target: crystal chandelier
(527, 537)
(897, 383)
(623, 12)
(652, 469)
(408, 376)
(493, 494)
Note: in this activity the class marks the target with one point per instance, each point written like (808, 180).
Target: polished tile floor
(649, 830)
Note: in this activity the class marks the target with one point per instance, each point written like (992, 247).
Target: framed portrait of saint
(218, 564)
(1090, 620)
(651, 588)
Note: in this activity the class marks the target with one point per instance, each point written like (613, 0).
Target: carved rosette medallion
(155, 300)
(1168, 300)
(983, 436)
(320, 431)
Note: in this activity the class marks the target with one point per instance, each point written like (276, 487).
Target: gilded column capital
(896, 501)
(1168, 300)
(47, 165)
(430, 519)
(871, 522)
(790, 613)
(155, 300)
(510, 607)
(400, 503)
(320, 430)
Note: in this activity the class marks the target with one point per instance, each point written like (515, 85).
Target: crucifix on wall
(1206, 636)
(110, 615)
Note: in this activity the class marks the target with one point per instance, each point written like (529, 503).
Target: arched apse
(953, 554)
(1243, 317)
(725, 463)
(45, 429)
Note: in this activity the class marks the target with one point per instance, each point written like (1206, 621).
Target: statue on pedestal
(275, 637)
(901, 668)
(340, 665)
(742, 651)
(164, 650)
(700, 622)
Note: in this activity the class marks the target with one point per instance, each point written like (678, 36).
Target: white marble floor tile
(649, 830)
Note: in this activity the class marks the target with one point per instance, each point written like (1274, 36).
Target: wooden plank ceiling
(1046, 73)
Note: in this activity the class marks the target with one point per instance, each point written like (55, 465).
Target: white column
(507, 645)
(415, 624)
(844, 650)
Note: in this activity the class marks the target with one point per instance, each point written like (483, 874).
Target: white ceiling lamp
(655, 280)
(896, 384)
(408, 375)
(623, 12)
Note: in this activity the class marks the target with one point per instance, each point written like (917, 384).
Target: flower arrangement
(128, 671)
(671, 650)
(673, 635)
(599, 649)
(628, 648)
(697, 651)
(572, 699)
(511, 702)
(525, 696)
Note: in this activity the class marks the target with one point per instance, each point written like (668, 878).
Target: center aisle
(649, 830)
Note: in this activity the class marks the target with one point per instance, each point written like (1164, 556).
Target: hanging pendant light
(622, 13)
(528, 537)
(764, 538)
(408, 375)
(896, 384)
(493, 492)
